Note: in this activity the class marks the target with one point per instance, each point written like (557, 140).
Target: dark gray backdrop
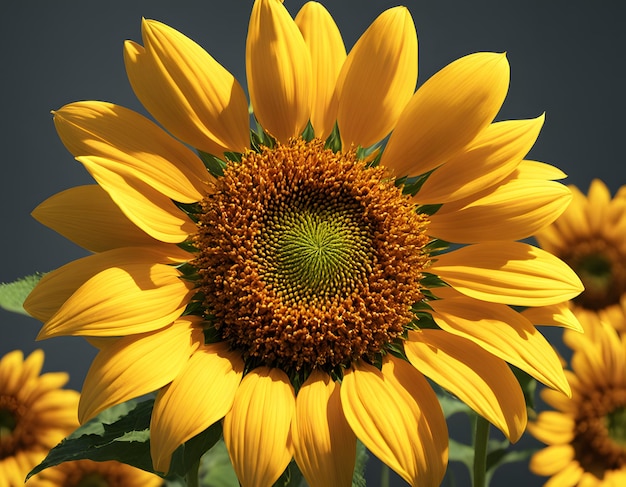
(567, 59)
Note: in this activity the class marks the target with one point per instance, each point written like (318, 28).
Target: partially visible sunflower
(86, 473)
(586, 435)
(35, 414)
(590, 237)
(297, 289)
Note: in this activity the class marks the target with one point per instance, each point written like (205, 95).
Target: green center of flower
(92, 480)
(308, 258)
(7, 423)
(313, 250)
(616, 425)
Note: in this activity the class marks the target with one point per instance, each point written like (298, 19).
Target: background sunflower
(562, 61)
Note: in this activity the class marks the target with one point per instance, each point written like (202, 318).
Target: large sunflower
(589, 236)
(301, 294)
(586, 435)
(35, 414)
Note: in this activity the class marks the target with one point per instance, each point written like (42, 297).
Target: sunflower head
(586, 434)
(299, 280)
(35, 414)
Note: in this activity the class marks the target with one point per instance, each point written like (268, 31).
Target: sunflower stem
(481, 439)
(191, 478)
(384, 476)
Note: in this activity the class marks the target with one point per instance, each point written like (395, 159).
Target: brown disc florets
(602, 269)
(600, 432)
(307, 257)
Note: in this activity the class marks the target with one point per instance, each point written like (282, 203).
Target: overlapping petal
(324, 444)
(204, 389)
(505, 333)
(553, 459)
(127, 297)
(129, 144)
(395, 413)
(511, 211)
(187, 91)
(508, 273)
(553, 428)
(377, 79)
(447, 112)
(57, 286)
(482, 381)
(278, 65)
(137, 364)
(328, 54)
(553, 315)
(258, 423)
(149, 209)
(88, 216)
(493, 154)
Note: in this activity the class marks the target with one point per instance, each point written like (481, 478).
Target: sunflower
(86, 473)
(35, 414)
(589, 236)
(292, 280)
(586, 435)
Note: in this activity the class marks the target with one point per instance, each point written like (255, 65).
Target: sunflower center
(308, 258)
(13, 435)
(92, 480)
(602, 269)
(600, 434)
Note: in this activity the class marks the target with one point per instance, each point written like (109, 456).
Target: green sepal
(214, 164)
(259, 138)
(428, 209)
(412, 184)
(333, 142)
(430, 281)
(309, 133)
(436, 246)
(13, 294)
(122, 433)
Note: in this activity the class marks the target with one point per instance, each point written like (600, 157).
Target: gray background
(567, 59)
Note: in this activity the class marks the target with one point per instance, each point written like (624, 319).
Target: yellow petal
(278, 65)
(132, 297)
(88, 216)
(503, 332)
(131, 145)
(324, 444)
(57, 286)
(538, 170)
(489, 158)
(514, 210)
(509, 273)
(553, 315)
(447, 112)
(328, 54)
(136, 365)
(396, 415)
(204, 389)
(552, 459)
(257, 428)
(188, 91)
(377, 79)
(483, 382)
(553, 428)
(146, 207)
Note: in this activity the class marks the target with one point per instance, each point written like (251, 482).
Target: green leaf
(216, 470)
(120, 433)
(460, 452)
(13, 294)
(358, 477)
